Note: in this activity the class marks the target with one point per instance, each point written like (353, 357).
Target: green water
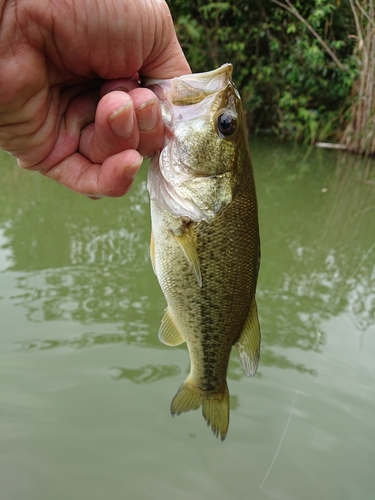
(85, 385)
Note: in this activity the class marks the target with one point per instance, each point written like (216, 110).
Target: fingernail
(137, 164)
(147, 115)
(121, 121)
(132, 170)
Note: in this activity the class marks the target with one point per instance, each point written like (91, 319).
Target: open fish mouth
(191, 89)
(210, 81)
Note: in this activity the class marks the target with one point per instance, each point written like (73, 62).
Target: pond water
(85, 385)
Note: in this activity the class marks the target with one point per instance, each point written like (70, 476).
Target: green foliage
(288, 82)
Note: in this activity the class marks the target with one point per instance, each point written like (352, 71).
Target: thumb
(166, 59)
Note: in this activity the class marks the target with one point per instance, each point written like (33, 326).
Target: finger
(112, 178)
(166, 59)
(124, 84)
(147, 110)
(114, 129)
(75, 115)
(33, 138)
(149, 121)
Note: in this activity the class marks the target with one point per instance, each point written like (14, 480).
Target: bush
(289, 84)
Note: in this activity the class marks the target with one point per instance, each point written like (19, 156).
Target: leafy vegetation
(290, 83)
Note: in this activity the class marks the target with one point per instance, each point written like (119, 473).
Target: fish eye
(226, 124)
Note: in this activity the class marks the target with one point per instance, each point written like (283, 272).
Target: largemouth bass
(205, 246)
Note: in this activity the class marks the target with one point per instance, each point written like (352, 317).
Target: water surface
(85, 385)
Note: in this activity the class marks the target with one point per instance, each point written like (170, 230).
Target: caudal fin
(215, 407)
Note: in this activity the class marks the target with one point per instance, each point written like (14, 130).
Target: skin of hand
(71, 106)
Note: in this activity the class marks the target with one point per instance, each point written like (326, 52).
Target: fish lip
(222, 72)
(187, 90)
(212, 80)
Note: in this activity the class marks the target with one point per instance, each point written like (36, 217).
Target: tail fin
(215, 407)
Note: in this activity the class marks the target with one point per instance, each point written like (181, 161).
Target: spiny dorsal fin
(186, 242)
(168, 332)
(248, 344)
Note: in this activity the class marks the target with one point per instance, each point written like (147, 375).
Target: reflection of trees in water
(80, 260)
(145, 374)
(50, 227)
(88, 261)
(68, 294)
(106, 278)
(350, 234)
(318, 234)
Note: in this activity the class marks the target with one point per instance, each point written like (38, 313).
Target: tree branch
(357, 24)
(370, 16)
(290, 8)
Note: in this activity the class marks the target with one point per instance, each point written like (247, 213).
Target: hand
(70, 103)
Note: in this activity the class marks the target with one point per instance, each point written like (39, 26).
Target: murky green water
(85, 385)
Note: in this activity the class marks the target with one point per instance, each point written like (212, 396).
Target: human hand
(70, 106)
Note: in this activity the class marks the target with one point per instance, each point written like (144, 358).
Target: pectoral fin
(168, 332)
(189, 249)
(248, 345)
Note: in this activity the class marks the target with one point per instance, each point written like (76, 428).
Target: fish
(205, 244)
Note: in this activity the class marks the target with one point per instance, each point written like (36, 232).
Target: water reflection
(83, 261)
(146, 374)
(318, 225)
(84, 341)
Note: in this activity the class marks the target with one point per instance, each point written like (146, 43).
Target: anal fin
(248, 345)
(168, 331)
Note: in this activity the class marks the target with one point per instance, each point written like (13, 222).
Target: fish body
(205, 246)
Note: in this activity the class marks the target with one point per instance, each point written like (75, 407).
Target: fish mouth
(213, 80)
(193, 88)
